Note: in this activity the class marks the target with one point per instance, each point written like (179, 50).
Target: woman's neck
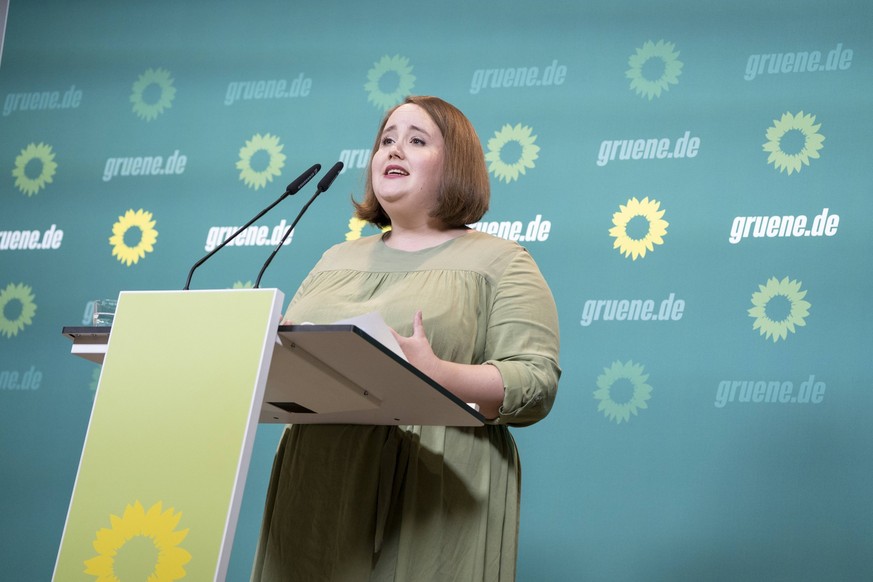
(416, 239)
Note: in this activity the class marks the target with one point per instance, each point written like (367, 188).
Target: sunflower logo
(519, 136)
(258, 147)
(95, 379)
(147, 106)
(241, 285)
(126, 228)
(141, 545)
(637, 211)
(40, 155)
(356, 227)
(16, 308)
(779, 296)
(628, 377)
(792, 140)
(653, 68)
(404, 83)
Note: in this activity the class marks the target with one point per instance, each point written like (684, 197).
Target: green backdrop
(702, 166)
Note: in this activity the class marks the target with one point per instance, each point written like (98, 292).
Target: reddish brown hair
(464, 191)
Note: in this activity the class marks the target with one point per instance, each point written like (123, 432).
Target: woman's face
(408, 166)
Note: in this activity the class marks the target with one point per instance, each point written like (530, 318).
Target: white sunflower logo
(146, 105)
(522, 138)
(622, 377)
(779, 307)
(35, 167)
(653, 68)
(792, 141)
(95, 379)
(255, 148)
(395, 71)
(16, 308)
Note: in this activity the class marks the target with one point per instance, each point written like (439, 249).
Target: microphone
(323, 185)
(294, 187)
(301, 180)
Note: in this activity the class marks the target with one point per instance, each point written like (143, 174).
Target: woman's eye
(387, 141)
(417, 141)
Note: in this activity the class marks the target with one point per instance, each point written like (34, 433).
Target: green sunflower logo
(40, 161)
(629, 218)
(133, 235)
(622, 377)
(779, 307)
(152, 92)
(241, 285)
(16, 308)
(653, 68)
(356, 227)
(260, 146)
(395, 66)
(140, 545)
(520, 137)
(792, 141)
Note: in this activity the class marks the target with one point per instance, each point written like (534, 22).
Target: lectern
(186, 377)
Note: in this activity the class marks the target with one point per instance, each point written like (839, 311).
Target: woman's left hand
(417, 349)
(479, 384)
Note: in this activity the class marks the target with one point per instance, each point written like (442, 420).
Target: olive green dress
(416, 503)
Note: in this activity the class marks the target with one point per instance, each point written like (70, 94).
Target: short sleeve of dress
(523, 342)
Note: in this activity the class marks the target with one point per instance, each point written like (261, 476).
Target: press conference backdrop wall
(693, 179)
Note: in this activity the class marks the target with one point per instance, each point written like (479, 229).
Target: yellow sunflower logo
(33, 155)
(126, 228)
(16, 308)
(259, 146)
(241, 285)
(528, 152)
(141, 545)
(647, 211)
(356, 227)
(611, 382)
(653, 68)
(147, 106)
(391, 66)
(785, 296)
(791, 154)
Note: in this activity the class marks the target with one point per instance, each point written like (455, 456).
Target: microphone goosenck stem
(323, 185)
(294, 187)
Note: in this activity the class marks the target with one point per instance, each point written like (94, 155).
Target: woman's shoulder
(489, 246)
(482, 238)
(487, 254)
